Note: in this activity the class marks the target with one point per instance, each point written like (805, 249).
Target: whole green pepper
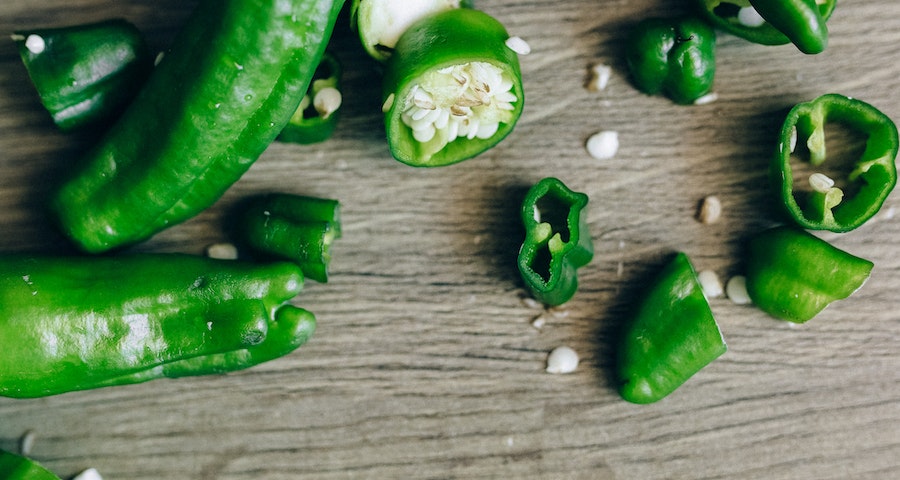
(793, 275)
(773, 22)
(17, 467)
(675, 57)
(826, 206)
(557, 241)
(452, 88)
(231, 82)
(76, 323)
(672, 336)
(317, 116)
(291, 227)
(85, 74)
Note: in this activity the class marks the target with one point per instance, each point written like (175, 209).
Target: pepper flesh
(674, 57)
(17, 467)
(557, 241)
(448, 97)
(671, 337)
(801, 22)
(309, 123)
(873, 176)
(75, 323)
(793, 275)
(231, 82)
(85, 74)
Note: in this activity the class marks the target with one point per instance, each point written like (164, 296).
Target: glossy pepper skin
(801, 22)
(675, 57)
(308, 124)
(85, 74)
(17, 467)
(291, 227)
(76, 323)
(793, 275)
(868, 184)
(672, 336)
(557, 241)
(432, 45)
(232, 80)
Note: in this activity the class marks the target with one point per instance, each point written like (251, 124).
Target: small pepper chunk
(672, 336)
(557, 241)
(793, 275)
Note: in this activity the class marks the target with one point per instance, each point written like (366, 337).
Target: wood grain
(425, 364)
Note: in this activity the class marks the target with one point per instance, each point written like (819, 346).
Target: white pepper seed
(562, 360)
(26, 443)
(821, 183)
(35, 44)
(749, 17)
(710, 283)
(89, 474)
(599, 77)
(736, 289)
(603, 145)
(518, 45)
(222, 251)
(327, 101)
(710, 210)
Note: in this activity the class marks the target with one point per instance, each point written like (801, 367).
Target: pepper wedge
(229, 85)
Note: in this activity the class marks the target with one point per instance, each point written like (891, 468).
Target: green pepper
(671, 336)
(675, 57)
(380, 23)
(17, 467)
(825, 206)
(557, 241)
(316, 118)
(76, 323)
(229, 85)
(793, 275)
(85, 74)
(773, 22)
(291, 227)
(452, 88)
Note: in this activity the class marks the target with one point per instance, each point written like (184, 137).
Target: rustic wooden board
(425, 363)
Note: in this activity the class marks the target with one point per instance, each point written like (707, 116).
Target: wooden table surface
(425, 363)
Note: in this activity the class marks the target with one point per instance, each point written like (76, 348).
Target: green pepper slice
(557, 241)
(76, 323)
(85, 74)
(17, 467)
(229, 85)
(773, 22)
(291, 227)
(316, 118)
(675, 57)
(671, 336)
(793, 275)
(452, 89)
(873, 177)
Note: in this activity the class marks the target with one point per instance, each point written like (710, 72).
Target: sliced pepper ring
(874, 173)
(557, 241)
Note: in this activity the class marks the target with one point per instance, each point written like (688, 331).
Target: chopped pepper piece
(874, 174)
(675, 57)
(672, 336)
(793, 275)
(557, 241)
(17, 467)
(773, 22)
(318, 113)
(452, 88)
(85, 74)
(291, 227)
(76, 323)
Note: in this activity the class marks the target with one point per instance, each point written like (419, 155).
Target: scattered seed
(710, 210)
(518, 45)
(749, 17)
(222, 251)
(327, 101)
(26, 443)
(599, 77)
(821, 183)
(89, 474)
(562, 360)
(530, 302)
(710, 283)
(538, 322)
(159, 57)
(603, 145)
(736, 289)
(707, 99)
(35, 44)
(793, 139)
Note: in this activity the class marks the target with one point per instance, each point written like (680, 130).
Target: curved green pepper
(231, 82)
(85, 74)
(672, 336)
(773, 22)
(557, 241)
(873, 177)
(17, 467)
(317, 116)
(452, 89)
(675, 57)
(291, 227)
(77, 323)
(793, 275)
